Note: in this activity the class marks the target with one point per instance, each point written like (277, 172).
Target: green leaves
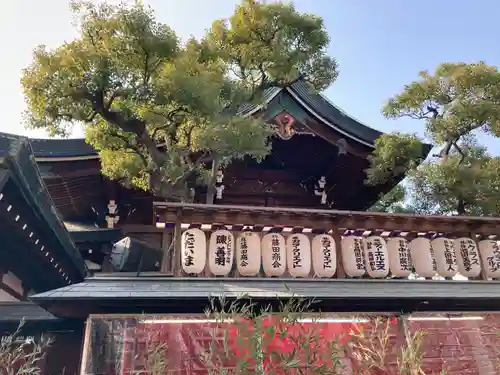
(468, 186)
(273, 44)
(457, 99)
(394, 155)
(134, 86)
(455, 103)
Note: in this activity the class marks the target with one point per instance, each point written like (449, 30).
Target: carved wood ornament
(288, 126)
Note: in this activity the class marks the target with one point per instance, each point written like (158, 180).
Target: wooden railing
(313, 243)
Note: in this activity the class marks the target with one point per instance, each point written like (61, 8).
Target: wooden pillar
(86, 350)
(206, 271)
(167, 246)
(176, 266)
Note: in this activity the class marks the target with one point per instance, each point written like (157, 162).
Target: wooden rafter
(324, 219)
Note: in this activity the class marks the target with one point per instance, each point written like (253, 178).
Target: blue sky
(380, 45)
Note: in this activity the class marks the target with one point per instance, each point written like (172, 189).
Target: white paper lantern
(194, 250)
(376, 257)
(298, 255)
(399, 256)
(221, 252)
(273, 254)
(352, 256)
(467, 257)
(444, 253)
(248, 254)
(422, 257)
(324, 255)
(490, 254)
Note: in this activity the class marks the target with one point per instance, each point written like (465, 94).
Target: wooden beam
(68, 175)
(325, 132)
(324, 219)
(139, 228)
(11, 291)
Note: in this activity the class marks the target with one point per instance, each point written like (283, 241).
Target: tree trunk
(211, 184)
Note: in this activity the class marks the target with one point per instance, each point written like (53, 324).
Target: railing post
(338, 248)
(167, 248)
(177, 243)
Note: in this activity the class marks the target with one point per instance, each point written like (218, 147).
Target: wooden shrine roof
(53, 149)
(296, 219)
(115, 293)
(27, 310)
(27, 187)
(322, 109)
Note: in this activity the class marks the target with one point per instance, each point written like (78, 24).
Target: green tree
(393, 201)
(159, 111)
(455, 103)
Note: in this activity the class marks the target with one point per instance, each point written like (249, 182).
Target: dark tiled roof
(57, 148)
(321, 106)
(88, 233)
(456, 294)
(17, 156)
(331, 113)
(17, 311)
(247, 109)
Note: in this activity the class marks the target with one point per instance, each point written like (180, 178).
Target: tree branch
(129, 125)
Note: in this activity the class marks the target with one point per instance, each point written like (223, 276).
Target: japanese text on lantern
(244, 252)
(376, 257)
(296, 257)
(494, 259)
(450, 256)
(223, 252)
(404, 255)
(433, 257)
(469, 254)
(326, 244)
(358, 254)
(275, 248)
(189, 246)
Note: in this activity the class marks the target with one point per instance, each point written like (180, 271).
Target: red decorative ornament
(286, 123)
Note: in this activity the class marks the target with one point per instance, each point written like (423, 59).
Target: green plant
(252, 339)
(20, 355)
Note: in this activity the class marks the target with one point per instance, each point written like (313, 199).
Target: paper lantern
(422, 257)
(376, 257)
(221, 252)
(399, 257)
(444, 253)
(194, 250)
(490, 254)
(352, 256)
(324, 255)
(467, 257)
(248, 254)
(298, 255)
(273, 254)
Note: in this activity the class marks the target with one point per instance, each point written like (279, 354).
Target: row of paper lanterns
(373, 255)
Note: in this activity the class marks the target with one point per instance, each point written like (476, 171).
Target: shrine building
(83, 259)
